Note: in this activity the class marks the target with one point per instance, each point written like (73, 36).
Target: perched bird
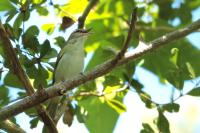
(70, 63)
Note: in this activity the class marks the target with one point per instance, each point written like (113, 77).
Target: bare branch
(10, 127)
(156, 29)
(17, 69)
(81, 19)
(161, 41)
(100, 70)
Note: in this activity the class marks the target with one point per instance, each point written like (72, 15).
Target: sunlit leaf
(74, 7)
(37, 1)
(49, 28)
(116, 105)
(174, 56)
(190, 70)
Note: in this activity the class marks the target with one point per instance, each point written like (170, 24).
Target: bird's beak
(88, 30)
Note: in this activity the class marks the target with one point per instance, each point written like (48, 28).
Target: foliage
(174, 64)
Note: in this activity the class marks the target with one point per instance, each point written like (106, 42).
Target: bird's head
(80, 34)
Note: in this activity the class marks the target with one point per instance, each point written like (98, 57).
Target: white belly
(73, 66)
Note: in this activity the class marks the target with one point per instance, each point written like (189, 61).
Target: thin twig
(82, 18)
(100, 70)
(128, 38)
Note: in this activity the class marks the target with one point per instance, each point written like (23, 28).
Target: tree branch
(10, 127)
(82, 18)
(17, 69)
(161, 41)
(100, 70)
(155, 29)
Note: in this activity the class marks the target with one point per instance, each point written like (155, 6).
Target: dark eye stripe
(81, 31)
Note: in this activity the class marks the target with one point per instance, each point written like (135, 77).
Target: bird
(69, 63)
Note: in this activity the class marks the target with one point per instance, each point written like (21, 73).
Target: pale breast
(73, 66)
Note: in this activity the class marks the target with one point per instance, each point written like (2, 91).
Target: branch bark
(100, 70)
(10, 127)
(82, 18)
(17, 69)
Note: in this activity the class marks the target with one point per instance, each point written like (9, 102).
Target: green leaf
(30, 40)
(176, 77)
(60, 41)
(174, 56)
(34, 122)
(111, 80)
(31, 71)
(42, 10)
(26, 15)
(146, 98)
(162, 123)
(32, 31)
(129, 70)
(101, 54)
(15, 1)
(45, 48)
(190, 70)
(5, 5)
(11, 14)
(74, 6)
(37, 1)
(49, 28)
(101, 118)
(116, 105)
(9, 31)
(30, 43)
(4, 97)
(171, 107)
(194, 92)
(51, 54)
(31, 112)
(40, 79)
(81, 114)
(18, 21)
(12, 80)
(17, 33)
(146, 128)
(136, 85)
